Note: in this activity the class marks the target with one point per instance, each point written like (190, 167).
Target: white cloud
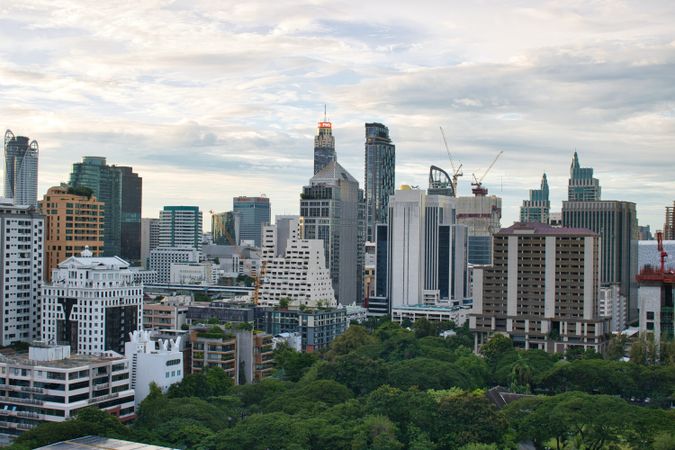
(212, 99)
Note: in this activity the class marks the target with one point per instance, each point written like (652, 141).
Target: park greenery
(381, 386)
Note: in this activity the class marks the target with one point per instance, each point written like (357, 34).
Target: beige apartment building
(73, 220)
(542, 289)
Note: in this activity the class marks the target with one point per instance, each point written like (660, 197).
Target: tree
(376, 433)
(359, 373)
(616, 348)
(422, 327)
(292, 364)
(495, 348)
(355, 337)
(284, 302)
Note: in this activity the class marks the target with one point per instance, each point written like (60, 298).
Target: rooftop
(102, 443)
(541, 229)
(73, 361)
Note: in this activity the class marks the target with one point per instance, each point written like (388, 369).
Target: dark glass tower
(380, 176)
(21, 169)
(324, 146)
(120, 189)
(254, 212)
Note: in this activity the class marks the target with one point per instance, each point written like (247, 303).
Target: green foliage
(384, 387)
(283, 303)
(202, 297)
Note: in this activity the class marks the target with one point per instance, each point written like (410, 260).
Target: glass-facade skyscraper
(380, 177)
(180, 226)
(615, 222)
(121, 191)
(538, 207)
(21, 169)
(254, 212)
(324, 146)
(582, 186)
(332, 209)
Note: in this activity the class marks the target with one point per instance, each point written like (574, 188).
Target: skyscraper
(254, 212)
(324, 145)
(180, 226)
(542, 289)
(120, 190)
(21, 169)
(428, 251)
(537, 208)
(149, 238)
(73, 222)
(379, 176)
(582, 186)
(22, 231)
(331, 207)
(615, 222)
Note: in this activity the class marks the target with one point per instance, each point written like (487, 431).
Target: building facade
(73, 221)
(201, 273)
(149, 238)
(380, 176)
(162, 258)
(318, 328)
(164, 315)
(225, 228)
(613, 306)
(300, 277)
(482, 216)
(120, 190)
(656, 300)
(542, 289)
(21, 169)
(153, 361)
(332, 210)
(427, 253)
(92, 304)
(180, 226)
(22, 232)
(254, 212)
(51, 385)
(538, 207)
(669, 223)
(324, 146)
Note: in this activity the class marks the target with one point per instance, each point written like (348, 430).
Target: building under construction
(655, 298)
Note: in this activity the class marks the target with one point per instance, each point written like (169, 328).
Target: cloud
(212, 99)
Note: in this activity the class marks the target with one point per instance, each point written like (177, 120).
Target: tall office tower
(254, 212)
(427, 253)
(92, 303)
(120, 190)
(582, 186)
(149, 238)
(379, 176)
(669, 225)
(324, 146)
(378, 304)
(542, 289)
(225, 228)
(616, 222)
(300, 275)
(21, 169)
(180, 226)
(331, 207)
(537, 208)
(287, 227)
(73, 222)
(22, 231)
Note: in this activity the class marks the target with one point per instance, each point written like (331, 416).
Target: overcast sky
(212, 99)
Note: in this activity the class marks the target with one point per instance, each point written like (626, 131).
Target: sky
(208, 100)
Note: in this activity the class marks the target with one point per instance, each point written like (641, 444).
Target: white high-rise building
(427, 251)
(162, 258)
(612, 304)
(300, 275)
(22, 231)
(159, 362)
(21, 169)
(92, 303)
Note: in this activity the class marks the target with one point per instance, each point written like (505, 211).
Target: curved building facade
(21, 169)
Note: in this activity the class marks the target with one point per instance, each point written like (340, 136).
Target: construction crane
(258, 281)
(662, 252)
(456, 172)
(478, 189)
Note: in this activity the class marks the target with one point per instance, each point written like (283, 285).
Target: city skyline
(203, 121)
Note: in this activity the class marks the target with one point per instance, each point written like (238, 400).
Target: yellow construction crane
(478, 189)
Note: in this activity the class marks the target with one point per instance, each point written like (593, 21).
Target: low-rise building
(50, 385)
(163, 315)
(159, 362)
(318, 327)
(162, 258)
(432, 313)
(145, 276)
(203, 273)
(656, 299)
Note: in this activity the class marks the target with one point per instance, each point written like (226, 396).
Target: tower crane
(456, 172)
(479, 190)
